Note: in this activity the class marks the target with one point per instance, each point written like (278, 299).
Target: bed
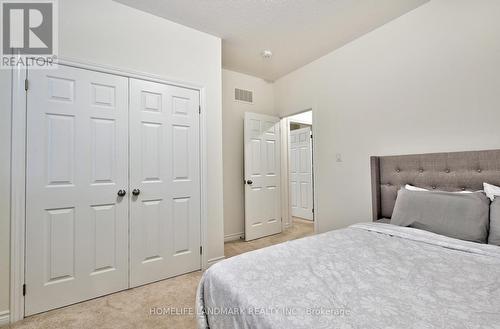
(369, 275)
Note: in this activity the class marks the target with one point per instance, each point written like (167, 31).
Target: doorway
(266, 178)
(298, 169)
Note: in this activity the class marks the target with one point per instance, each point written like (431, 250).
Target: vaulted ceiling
(295, 31)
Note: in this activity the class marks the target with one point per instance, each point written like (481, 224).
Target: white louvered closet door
(77, 161)
(165, 178)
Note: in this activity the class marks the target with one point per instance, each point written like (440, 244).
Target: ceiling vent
(242, 95)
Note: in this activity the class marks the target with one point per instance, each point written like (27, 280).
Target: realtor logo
(29, 33)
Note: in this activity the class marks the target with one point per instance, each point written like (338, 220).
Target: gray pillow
(457, 215)
(494, 237)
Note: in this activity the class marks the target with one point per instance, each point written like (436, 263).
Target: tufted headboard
(457, 171)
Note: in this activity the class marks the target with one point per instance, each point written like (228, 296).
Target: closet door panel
(77, 160)
(164, 171)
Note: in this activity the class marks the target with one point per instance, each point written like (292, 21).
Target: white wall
(232, 118)
(108, 33)
(428, 81)
(5, 99)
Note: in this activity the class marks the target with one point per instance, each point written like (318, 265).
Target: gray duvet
(366, 276)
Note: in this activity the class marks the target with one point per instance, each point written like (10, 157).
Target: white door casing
(262, 176)
(77, 160)
(165, 167)
(301, 173)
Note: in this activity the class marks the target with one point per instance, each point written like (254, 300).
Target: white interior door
(262, 176)
(165, 174)
(77, 160)
(301, 173)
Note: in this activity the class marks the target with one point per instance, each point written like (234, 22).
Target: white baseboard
(234, 236)
(4, 318)
(215, 260)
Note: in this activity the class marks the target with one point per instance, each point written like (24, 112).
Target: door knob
(136, 192)
(249, 182)
(121, 193)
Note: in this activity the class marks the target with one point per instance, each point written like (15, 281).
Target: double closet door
(112, 185)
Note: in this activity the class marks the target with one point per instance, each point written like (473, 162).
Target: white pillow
(419, 189)
(414, 188)
(491, 191)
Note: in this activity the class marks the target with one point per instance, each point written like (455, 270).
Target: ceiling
(296, 31)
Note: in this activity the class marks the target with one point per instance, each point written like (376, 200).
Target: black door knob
(136, 192)
(122, 193)
(249, 182)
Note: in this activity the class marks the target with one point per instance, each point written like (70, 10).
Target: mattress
(369, 275)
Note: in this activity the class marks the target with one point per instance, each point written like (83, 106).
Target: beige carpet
(132, 308)
(299, 229)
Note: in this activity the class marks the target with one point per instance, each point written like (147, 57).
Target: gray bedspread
(366, 276)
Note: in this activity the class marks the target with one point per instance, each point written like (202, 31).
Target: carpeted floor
(143, 307)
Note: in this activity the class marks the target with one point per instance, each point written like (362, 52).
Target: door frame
(285, 173)
(18, 169)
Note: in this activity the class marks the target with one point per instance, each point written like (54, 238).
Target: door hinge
(201, 250)
(26, 84)
(312, 210)
(24, 289)
(199, 109)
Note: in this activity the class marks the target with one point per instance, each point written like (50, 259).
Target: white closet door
(301, 173)
(76, 224)
(262, 176)
(165, 172)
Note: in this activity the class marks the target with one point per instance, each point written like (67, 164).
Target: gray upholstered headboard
(457, 171)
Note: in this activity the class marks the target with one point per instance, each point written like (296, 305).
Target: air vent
(242, 95)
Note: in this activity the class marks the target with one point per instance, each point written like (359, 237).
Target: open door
(262, 176)
(301, 173)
